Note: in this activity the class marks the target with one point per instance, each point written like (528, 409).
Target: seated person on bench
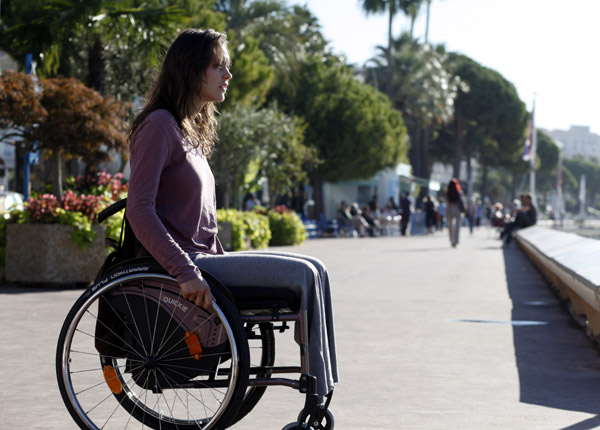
(171, 203)
(526, 216)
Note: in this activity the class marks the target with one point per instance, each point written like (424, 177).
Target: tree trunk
(19, 180)
(273, 195)
(57, 180)
(235, 192)
(390, 70)
(425, 165)
(220, 196)
(96, 66)
(458, 149)
(513, 187)
(484, 175)
(469, 184)
(317, 184)
(415, 150)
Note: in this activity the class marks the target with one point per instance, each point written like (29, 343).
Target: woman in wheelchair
(171, 209)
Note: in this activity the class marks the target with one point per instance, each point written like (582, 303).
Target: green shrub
(248, 229)
(286, 227)
(257, 229)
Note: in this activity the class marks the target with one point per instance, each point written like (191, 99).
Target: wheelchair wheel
(131, 346)
(262, 354)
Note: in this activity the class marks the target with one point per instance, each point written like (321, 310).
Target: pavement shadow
(559, 367)
(28, 288)
(592, 423)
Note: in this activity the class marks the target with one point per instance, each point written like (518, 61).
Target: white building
(578, 141)
(386, 184)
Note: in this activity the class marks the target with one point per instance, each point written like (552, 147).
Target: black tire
(263, 345)
(145, 359)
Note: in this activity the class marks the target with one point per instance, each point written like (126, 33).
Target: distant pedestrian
(441, 213)
(251, 202)
(430, 214)
(373, 203)
(454, 208)
(405, 212)
(525, 216)
(471, 212)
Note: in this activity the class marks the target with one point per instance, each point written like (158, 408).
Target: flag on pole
(530, 146)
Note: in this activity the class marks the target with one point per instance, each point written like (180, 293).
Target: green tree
(65, 118)
(81, 38)
(547, 163)
(579, 167)
(489, 103)
(267, 139)
(391, 7)
(282, 155)
(252, 73)
(267, 39)
(423, 90)
(353, 126)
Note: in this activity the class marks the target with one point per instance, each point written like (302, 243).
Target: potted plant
(55, 241)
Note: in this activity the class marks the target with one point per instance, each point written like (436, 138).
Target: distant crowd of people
(370, 220)
(452, 209)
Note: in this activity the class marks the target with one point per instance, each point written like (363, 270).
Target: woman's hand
(198, 292)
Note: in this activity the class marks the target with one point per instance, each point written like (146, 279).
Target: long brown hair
(453, 191)
(179, 83)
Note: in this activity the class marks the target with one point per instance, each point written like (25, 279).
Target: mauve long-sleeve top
(171, 204)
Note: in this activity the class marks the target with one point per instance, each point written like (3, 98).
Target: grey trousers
(307, 276)
(453, 216)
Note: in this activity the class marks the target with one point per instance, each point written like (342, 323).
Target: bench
(570, 263)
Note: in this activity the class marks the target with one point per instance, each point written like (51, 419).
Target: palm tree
(409, 8)
(378, 6)
(61, 28)
(422, 89)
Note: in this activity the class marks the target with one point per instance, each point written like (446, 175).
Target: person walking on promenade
(454, 208)
(172, 204)
(525, 216)
(430, 214)
(441, 213)
(471, 212)
(405, 212)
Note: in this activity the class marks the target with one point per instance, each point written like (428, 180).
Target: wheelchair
(133, 351)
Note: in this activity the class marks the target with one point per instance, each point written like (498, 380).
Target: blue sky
(549, 49)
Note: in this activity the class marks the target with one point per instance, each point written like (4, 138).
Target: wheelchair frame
(245, 385)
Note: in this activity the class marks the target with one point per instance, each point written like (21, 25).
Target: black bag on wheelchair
(110, 334)
(165, 339)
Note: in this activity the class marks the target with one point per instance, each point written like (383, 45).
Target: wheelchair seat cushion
(256, 298)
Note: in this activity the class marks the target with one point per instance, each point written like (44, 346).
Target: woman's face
(216, 80)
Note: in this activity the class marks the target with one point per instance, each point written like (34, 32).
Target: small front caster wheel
(326, 423)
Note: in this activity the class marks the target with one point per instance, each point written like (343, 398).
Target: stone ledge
(570, 263)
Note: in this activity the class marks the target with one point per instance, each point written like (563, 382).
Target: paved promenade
(429, 337)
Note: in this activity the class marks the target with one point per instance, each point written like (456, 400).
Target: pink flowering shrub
(89, 205)
(42, 210)
(100, 183)
(81, 204)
